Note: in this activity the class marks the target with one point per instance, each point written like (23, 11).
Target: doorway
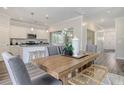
(109, 40)
(90, 37)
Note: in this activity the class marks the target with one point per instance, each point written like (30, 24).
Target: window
(61, 37)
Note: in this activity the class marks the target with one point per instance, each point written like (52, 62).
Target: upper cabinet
(21, 32)
(20, 29)
(18, 32)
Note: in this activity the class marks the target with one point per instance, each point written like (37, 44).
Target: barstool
(36, 54)
(32, 56)
(41, 54)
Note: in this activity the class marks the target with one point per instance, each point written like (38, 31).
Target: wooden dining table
(60, 66)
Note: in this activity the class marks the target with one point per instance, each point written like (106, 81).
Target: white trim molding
(119, 58)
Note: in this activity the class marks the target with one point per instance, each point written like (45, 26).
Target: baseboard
(109, 50)
(120, 58)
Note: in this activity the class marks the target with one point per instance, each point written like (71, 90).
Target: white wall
(76, 23)
(4, 33)
(99, 35)
(99, 38)
(18, 32)
(109, 39)
(42, 34)
(119, 26)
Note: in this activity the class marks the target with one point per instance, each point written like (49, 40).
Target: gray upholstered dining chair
(19, 74)
(61, 48)
(53, 50)
(91, 48)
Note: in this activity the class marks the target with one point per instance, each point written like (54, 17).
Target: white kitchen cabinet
(29, 31)
(21, 32)
(18, 32)
(42, 34)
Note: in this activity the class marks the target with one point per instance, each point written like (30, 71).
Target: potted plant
(68, 49)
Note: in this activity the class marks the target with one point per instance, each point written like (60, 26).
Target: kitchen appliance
(31, 36)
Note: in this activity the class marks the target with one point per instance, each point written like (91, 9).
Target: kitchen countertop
(34, 45)
(29, 45)
(26, 50)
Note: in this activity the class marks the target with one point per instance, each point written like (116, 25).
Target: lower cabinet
(27, 52)
(24, 52)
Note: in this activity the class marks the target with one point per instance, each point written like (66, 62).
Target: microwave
(31, 36)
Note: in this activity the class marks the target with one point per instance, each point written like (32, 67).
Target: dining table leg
(64, 79)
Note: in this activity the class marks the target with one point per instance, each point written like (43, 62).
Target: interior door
(90, 37)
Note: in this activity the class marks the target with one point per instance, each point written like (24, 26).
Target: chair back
(91, 48)
(61, 48)
(16, 69)
(36, 54)
(53, 50)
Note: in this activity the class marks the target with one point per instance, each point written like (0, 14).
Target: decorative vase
(68, 53)
(76, 47)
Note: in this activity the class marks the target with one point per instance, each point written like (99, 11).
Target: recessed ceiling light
(84, 24)
(47, 31)
(32, 29)
(71, 35)
(5, 8)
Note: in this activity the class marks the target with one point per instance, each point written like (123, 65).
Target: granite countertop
(29, 45)
(34, 45)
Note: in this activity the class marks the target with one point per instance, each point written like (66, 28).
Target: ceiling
(103, 16)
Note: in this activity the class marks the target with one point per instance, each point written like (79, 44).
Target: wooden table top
(58, 65)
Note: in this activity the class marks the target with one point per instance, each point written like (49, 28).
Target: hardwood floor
(2, 67)
(114, 66)
(106, 59)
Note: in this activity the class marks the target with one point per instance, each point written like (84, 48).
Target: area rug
(113, 79)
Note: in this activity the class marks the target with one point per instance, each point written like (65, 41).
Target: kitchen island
(24, 50)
